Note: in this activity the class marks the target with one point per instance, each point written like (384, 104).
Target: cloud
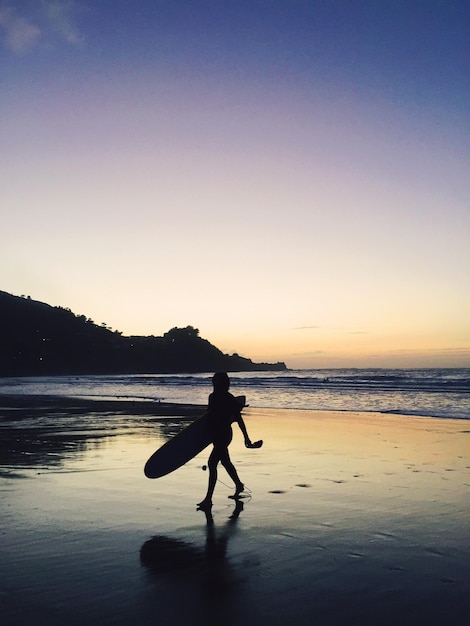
(346, 332)
(61, 17)
(307, 327)
(41, 24)
(20, 35)
(310, 353)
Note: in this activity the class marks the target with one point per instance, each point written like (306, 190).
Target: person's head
(221, 381)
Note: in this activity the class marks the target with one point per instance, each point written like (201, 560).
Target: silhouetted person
(223, 410)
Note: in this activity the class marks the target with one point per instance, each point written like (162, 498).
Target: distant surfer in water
(223, 410)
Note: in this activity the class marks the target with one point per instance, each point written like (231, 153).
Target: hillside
(37, 339)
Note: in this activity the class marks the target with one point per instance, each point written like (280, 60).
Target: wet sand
(350, 518)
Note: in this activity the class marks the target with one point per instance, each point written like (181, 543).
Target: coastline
(431, 392)
(79, 404)
(350, 518)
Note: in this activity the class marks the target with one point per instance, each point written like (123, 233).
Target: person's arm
(241, 423)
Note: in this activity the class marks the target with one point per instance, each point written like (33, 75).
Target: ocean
(436, 392)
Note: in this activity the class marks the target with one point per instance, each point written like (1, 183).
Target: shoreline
(428, 392)
(79, 404)
(11, 402)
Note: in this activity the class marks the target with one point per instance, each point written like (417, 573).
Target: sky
(291, 177)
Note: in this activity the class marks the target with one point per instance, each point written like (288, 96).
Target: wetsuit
(223, 410)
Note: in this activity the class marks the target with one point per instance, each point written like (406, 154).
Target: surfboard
(182, 447)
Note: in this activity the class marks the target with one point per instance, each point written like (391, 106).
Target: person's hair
(221, 381)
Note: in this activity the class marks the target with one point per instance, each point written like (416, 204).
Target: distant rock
(40, 340)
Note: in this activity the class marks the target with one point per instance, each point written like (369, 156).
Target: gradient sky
(290, 177)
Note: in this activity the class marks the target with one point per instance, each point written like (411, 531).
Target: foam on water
(428, 392)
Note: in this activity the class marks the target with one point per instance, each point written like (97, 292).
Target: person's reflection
(217, 540)
(165, 556)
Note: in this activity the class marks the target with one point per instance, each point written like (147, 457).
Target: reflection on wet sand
(209, 566)
(354, 518)
(42, 432)
(40, 447)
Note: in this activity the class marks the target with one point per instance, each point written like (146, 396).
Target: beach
(349, 518)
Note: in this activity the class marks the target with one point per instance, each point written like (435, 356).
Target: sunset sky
(290, 177)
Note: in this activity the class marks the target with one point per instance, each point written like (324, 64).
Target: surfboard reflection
(166, 556)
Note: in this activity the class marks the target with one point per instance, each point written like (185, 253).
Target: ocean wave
(429, 392)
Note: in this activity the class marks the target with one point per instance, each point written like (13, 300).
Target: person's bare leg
(212, 464)
(232, 472)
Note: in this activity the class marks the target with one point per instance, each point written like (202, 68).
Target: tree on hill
(38, 339)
